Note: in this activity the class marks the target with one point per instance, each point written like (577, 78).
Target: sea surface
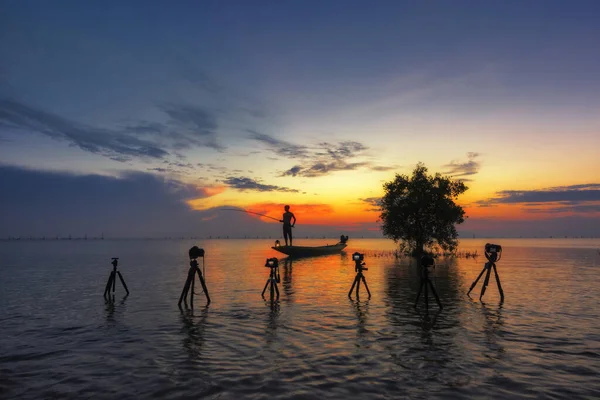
(60, 338)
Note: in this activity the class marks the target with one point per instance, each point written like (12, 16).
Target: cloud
(571, 209)
(373, 202)
(324, 159)
(343, 150)
(470, 167)
(186, 126)
(243, 183)
(114, 144)
(574, 194)
(200, 125)
(280, 147)
(320, 168)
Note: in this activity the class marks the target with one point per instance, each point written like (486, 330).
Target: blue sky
(306, 98)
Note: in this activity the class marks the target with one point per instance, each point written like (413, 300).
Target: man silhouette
(287, 224)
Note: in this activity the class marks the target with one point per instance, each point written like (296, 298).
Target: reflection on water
(493, 329)
(313, 342)
(193, 326)
(110, 307)
(288, 266)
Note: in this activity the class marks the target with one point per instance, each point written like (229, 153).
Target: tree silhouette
(420, 212)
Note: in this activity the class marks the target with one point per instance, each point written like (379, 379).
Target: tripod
(427, 262)
(190, 282)
(273, 264)
(113, 278)
(359, 266)
(493, 253)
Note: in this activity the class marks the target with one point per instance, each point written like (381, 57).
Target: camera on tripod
(359, 267)
(272, 263)
(195, 252)
(358, 260)
(493, 252)
(492, 248)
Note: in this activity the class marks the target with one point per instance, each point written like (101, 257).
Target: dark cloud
(373, 202)
(470, 167)
(574, 194)
(383, 168)
(321, 168)
(132, 205)
(571, 209)
(243, 183)
(110, 143)
(341, 151)
(187, 126)
(280, 147)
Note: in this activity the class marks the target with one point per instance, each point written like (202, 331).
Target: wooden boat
(310, 251)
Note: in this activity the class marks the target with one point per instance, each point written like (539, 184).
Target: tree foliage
(420, 212)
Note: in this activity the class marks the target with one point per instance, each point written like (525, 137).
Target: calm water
(60, 339)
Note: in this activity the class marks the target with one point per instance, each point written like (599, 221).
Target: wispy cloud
(374, 203)
(459, 169)
(280, 147)
(186, 126)
(320, 168)
(114, 144)
(322, 159)
(243, 183)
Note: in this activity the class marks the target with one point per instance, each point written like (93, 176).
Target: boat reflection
(288, 265)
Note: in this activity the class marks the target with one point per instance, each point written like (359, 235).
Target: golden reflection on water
(313, 339)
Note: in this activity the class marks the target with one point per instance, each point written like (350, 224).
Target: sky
(151, 118)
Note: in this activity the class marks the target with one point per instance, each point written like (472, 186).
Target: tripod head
(493, 252)
(115, 261)
(273, 264)
(359, 264)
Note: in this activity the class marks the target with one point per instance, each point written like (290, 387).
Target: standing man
(287, 224)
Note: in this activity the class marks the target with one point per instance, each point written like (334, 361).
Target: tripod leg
(426, 295)
(192, 278)
(203, 283)
(366, 287)
(265, 289)
(184, 292)
(476, 280)
(114, 281)
(437, 299)
(352, 288)
(419, 293)
(486, 281)
(108, 284)
(357, 285)
(276, 289)
(123, 281)
(498, 282)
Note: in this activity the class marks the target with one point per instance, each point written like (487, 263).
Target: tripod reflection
(193, 327)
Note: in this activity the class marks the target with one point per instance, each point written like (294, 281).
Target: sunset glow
(180, 126)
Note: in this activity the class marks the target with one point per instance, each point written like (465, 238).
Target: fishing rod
(249, 212)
